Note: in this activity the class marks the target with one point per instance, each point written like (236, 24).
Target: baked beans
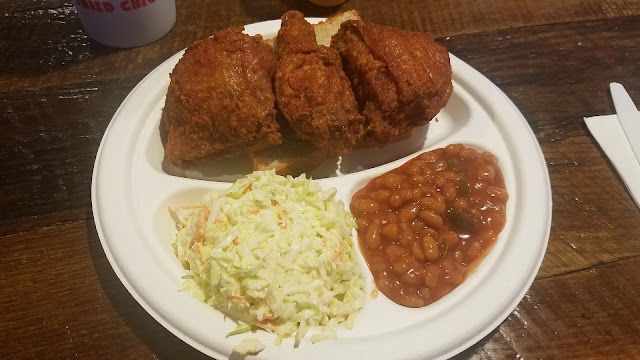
(423, 226)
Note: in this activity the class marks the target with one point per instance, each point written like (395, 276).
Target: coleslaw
(273, 252)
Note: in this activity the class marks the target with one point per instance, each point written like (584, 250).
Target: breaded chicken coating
(401, 79)
(312, 91)
(220, 99)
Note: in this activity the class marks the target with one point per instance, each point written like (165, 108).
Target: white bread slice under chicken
(326, 29)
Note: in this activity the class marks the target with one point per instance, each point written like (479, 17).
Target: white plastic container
(126, 23)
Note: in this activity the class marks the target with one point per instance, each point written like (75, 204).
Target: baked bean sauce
(425, 225)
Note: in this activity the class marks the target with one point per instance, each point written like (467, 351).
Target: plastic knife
(628, 116)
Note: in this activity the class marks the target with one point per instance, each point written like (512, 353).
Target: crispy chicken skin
(401, 79)
(312, 91)
(220, 99)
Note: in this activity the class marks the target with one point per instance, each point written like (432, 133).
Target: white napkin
(609, 134)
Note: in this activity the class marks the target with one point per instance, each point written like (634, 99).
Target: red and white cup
(126, 23)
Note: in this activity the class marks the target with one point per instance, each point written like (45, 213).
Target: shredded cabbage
(276, 253)
(249, 346)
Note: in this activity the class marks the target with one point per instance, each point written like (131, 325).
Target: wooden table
(59, 297)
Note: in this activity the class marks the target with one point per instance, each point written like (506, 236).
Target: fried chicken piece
(220, 99)
(401, 79)
(312, 90)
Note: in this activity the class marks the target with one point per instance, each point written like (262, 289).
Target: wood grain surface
(60, 298)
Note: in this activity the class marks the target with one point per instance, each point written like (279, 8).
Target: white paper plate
(131, 191)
